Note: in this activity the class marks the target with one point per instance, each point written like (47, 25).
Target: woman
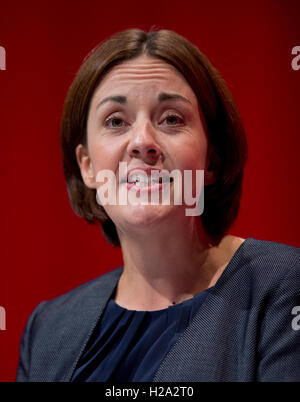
(191, 302)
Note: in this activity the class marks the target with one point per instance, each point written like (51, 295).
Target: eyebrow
(163, 96)
(117, 98)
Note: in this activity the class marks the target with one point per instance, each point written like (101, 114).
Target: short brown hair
(227, 141)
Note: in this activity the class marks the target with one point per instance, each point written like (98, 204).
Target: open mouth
(145, 180)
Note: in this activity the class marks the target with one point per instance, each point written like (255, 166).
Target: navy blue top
(129, 345)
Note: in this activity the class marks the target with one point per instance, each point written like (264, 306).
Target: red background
(45, 249)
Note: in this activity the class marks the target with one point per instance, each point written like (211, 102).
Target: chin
(141, 216)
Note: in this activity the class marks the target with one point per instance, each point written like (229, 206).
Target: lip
(147, 170)
(163, 173)
(149, 189)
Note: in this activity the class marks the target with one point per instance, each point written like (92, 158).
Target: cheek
(104, 156)
(103, 151)
(193, 155)
(199, 155)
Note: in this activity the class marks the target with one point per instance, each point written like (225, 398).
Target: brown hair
(224, 127)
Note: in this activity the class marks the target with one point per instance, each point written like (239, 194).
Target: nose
(142, 144)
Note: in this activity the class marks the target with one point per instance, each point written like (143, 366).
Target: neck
(163, 267)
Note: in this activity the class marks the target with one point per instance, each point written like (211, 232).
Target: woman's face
(143, 113)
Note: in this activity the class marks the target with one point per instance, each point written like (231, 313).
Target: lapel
(89, 306)
(206, 351)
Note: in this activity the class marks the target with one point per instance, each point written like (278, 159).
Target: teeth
(138, 179)
(142, 180)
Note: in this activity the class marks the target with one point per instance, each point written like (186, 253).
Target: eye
(114, 122)
(173, 120)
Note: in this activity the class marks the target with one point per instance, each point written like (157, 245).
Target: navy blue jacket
(246, 330)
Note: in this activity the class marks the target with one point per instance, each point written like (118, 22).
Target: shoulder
(258, 270)
(97, 288)
(79, 301)
(269, 258)
(269, 248)
(94, 287)
(275, 273)
(62, 323)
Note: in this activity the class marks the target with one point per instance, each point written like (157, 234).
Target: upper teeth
(142, 180)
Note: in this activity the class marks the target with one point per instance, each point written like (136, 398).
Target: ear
(85, 166)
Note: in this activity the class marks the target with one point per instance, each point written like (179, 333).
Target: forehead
(145, 73)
